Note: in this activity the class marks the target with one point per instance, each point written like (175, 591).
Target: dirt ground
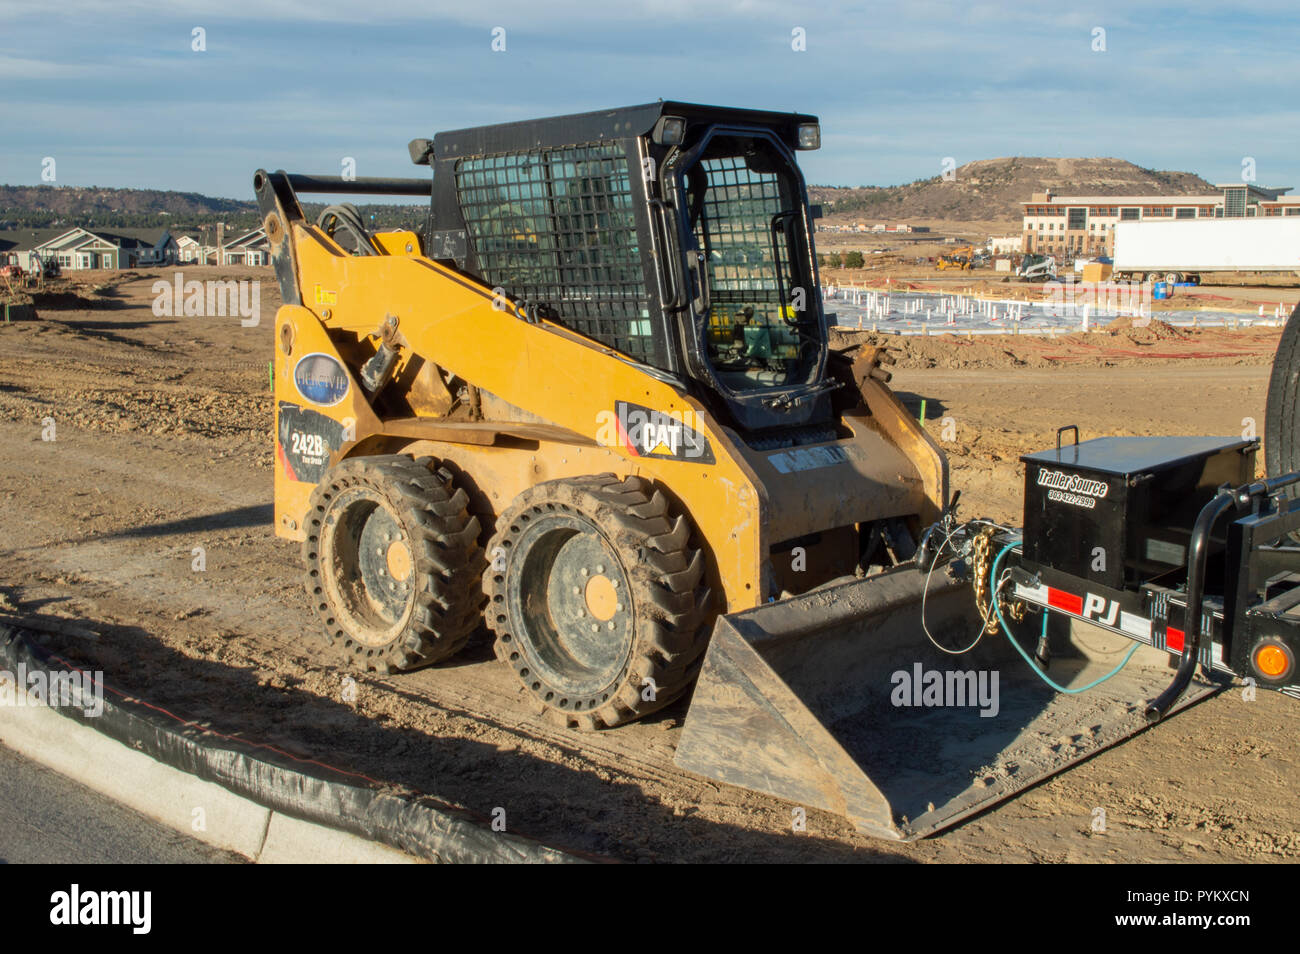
(143, 532)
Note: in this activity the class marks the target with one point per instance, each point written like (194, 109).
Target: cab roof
(606, 124)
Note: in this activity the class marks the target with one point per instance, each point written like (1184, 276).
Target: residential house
(7, 245)
(189, 250)
(79, 249)
(249, 249)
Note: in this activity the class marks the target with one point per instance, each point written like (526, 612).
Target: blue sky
(114, 92)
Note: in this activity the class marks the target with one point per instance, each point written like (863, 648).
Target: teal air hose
(997, 608)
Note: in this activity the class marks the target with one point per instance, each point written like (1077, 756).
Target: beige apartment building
(1071, 226)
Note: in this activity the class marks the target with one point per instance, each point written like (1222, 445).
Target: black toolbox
(1118, 511)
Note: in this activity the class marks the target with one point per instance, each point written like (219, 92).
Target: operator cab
(678, 235)
(747, 252)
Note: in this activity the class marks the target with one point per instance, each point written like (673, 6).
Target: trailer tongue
(835, 700)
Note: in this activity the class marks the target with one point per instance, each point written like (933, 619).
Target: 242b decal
(306, 439)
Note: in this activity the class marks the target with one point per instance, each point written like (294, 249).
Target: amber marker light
(1272, 660)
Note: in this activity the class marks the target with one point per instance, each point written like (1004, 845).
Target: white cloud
(16, 67)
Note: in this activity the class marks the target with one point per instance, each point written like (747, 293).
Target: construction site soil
(136, 534)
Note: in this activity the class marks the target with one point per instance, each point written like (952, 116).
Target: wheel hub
(601, 597)
(399, 560)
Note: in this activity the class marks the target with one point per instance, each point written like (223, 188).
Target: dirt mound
(1147, 329)
(939, 351)
(68, 300)
(15, 305)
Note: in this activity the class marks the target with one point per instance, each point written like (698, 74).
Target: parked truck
(1178, 251)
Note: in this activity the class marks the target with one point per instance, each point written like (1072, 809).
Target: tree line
(236, 222)
(854, 259)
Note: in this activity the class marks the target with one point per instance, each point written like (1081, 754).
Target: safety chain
(982, 572)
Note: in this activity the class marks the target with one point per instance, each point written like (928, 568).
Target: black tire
(1281, 424)
(397, 521)
(552, 548)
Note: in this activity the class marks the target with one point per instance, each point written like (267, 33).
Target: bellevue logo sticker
(321, 379)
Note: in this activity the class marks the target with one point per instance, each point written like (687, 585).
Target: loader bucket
(804, 699)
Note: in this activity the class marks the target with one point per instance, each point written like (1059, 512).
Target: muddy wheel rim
(368, 558)
(571, 597)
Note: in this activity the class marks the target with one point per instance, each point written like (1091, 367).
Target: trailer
(1177, 251)
(1167, 541)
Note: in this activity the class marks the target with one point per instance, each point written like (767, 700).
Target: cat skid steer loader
(591, 405)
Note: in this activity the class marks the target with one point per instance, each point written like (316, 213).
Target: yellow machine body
(556, 397)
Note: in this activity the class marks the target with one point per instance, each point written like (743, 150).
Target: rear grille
(556, 228)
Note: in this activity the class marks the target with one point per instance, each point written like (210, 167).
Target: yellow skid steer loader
(591, 405)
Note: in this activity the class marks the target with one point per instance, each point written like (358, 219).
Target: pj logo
(1100, 610)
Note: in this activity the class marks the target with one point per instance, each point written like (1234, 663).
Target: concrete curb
(200, 809)
(228, 792)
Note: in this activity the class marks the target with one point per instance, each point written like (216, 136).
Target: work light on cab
(669, 131)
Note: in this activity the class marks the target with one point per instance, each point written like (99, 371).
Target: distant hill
(44, 206)
(994, 188)
(982, 190)
(56, 206)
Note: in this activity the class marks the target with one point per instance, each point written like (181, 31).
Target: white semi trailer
(1177, 251)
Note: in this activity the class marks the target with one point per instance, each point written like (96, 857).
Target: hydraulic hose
(997, 608)
(346, 216)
